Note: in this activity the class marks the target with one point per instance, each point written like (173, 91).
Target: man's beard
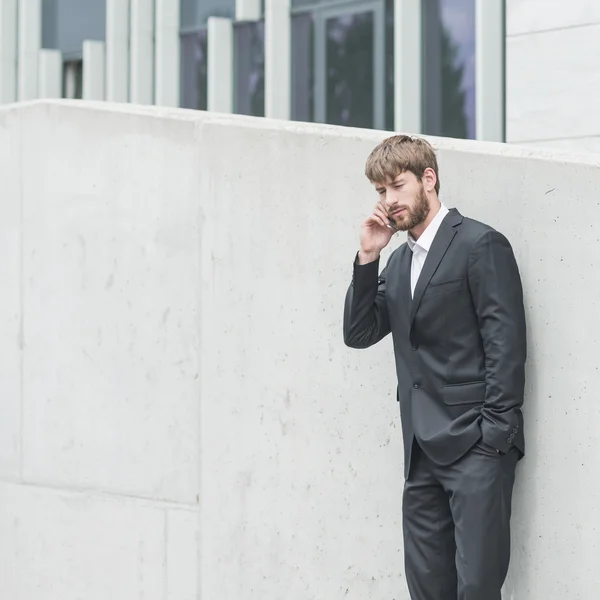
(416, 215)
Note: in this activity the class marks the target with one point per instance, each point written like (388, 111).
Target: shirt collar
(426, 239)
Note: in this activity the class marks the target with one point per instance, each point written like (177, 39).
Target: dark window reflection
(72, 87)
(349, 70)
(449, 68)
(303, 67)
(250, 68)
(389, 65)
(194, 66)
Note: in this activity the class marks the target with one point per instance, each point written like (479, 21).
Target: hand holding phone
(375, 234)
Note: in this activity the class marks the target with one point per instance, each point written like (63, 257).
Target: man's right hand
(375, 235)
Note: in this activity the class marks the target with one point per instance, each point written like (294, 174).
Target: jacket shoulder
(474, 227)
(473, 230)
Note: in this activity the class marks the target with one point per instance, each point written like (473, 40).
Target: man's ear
(429, 179)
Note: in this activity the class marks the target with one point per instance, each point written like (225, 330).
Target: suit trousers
(456, 522)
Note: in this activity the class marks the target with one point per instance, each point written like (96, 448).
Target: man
(452, 298)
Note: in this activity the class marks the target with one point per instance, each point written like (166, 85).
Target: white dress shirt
(420, 248)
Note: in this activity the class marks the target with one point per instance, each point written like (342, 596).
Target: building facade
(553, 73)
(478, 69)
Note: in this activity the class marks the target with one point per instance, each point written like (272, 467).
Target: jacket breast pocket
(464, 393)
(440, 287)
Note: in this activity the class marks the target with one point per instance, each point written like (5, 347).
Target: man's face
(405, 200)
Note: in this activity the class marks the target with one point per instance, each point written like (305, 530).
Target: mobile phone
(392, 223)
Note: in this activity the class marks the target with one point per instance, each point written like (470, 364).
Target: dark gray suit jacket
(460, 344)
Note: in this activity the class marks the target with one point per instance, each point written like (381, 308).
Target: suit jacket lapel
(440, 244)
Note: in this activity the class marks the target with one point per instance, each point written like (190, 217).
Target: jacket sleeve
(365, 312)
(497, 295)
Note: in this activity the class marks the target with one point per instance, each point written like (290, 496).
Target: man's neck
(434, 209)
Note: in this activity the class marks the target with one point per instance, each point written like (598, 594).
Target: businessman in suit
(452, 298)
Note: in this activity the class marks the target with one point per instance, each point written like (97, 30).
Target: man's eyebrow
(398, 179)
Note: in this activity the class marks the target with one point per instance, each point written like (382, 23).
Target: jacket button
(515, 430)
(416, 385)
(415, 347)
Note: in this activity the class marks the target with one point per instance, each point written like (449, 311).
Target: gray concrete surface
(179, 416)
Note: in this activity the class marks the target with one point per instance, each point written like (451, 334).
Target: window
(73, 79)
(342, 60)
(194, 48)
(194, 70)
(448, 77)
(389, 65)
(303, 71)
(349, 68)
(339, 63)
(249, 68)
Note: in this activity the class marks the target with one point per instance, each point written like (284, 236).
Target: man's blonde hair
(398, 154)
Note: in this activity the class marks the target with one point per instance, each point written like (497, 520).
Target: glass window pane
(349, 70)
(67, 23)
(389, 65)
(250, 68)
(195, 13)
(449, 68)
(194, 65)
(302, 67)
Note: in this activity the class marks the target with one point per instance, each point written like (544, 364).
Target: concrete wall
(180, 417)
(553, 73)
